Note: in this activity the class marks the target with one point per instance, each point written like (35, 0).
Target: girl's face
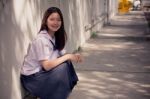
(54, 22)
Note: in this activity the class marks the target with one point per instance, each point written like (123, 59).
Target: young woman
(47, 72)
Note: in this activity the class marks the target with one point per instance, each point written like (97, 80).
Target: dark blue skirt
(56, 83)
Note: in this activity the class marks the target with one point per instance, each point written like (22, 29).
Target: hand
(79, 57)
(75, 57)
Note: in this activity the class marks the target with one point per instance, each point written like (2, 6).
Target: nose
(56, 21)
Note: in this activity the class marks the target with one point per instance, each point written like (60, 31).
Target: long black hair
(60, 34)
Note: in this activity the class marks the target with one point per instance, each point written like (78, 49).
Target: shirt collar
(45, 34)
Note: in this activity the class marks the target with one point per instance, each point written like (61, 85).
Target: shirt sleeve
(63, 52)
(42, 49)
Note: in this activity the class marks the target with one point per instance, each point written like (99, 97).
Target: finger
(81, 58)
(75, 58)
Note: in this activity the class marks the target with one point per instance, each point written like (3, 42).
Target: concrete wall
(77, 14)
(113, 7)
(19, 23)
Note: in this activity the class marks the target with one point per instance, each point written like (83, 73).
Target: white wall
(19, 23)
(113, 7)
(77, 14)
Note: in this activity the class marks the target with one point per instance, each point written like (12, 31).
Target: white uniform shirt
(40, 49)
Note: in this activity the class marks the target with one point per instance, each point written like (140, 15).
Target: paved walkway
(117, 61)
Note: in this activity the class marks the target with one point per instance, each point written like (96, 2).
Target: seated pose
(47, 72)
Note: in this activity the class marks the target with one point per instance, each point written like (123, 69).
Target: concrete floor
(117, 61)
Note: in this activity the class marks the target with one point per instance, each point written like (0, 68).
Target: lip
(55, 26)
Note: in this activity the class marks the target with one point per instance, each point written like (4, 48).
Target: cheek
(60, 23)
(49, 24)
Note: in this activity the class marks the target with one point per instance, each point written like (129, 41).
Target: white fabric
(40, 49)
(137, 3)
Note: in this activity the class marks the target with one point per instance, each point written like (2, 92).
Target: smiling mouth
(55, 26)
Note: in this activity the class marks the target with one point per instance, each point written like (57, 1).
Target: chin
(54, 30)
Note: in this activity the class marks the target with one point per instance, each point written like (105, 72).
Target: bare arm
(49, 64)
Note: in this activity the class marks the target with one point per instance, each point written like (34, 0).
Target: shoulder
(40, 38)
(42, 41)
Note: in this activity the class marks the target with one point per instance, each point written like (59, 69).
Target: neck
(51, 33)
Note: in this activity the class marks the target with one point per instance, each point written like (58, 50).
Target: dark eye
(58, 19)
(52, 19)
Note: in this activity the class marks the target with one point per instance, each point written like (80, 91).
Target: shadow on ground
(116, 61)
